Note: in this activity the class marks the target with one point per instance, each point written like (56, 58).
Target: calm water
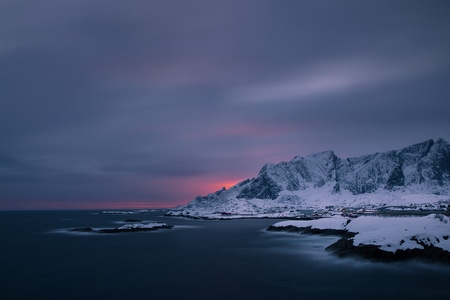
(197, 259)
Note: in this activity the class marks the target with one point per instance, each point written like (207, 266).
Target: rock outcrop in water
(134, 227)
(345, 248)
(381, 238)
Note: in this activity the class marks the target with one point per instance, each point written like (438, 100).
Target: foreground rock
(382, 238)
(135, 227)
(345, 247)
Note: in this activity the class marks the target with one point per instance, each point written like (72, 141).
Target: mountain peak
(322, 178)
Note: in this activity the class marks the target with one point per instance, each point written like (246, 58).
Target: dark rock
(119, 230)
(262, 187)
(396, 178)
(82, 229)
(309, 230)
(344, 248)
(137, 229)
(436, 166)
(132, 221)
(244, 182)
(336, 189)
(289, 228)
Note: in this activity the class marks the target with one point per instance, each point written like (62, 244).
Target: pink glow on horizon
(223, 184)
(91, 205)
(180, 191)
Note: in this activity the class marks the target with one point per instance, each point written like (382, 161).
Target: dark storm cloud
(154, 100)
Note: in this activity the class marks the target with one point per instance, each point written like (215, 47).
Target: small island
(134, 227)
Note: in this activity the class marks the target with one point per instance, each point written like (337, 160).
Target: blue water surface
(197, 259)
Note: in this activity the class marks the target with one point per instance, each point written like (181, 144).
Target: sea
(196, 259)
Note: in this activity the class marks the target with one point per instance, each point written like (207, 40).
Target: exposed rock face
(345, 248)
(427, 162)
(263, 187)
(336, 189)
(423, 168)
(396, 178)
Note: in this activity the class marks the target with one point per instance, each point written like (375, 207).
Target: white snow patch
(141, 226)
(388, 233)
(401, 233)
(335, 223)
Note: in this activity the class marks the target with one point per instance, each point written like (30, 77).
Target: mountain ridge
(416, 174)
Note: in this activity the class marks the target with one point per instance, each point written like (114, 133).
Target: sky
(144, 104)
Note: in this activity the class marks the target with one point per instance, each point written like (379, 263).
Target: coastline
(381, 240)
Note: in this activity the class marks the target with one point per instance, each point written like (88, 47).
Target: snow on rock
(388, 234)
(335, 223)
(400, 233)
(118, 212)
(136, 226)
(133, 227)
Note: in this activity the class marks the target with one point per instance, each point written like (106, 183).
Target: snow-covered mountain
(415, 175)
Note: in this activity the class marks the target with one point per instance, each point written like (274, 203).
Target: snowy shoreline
(381, 238)
(311, 213)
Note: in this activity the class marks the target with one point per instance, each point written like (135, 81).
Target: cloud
(340, 76)
(107, 100)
